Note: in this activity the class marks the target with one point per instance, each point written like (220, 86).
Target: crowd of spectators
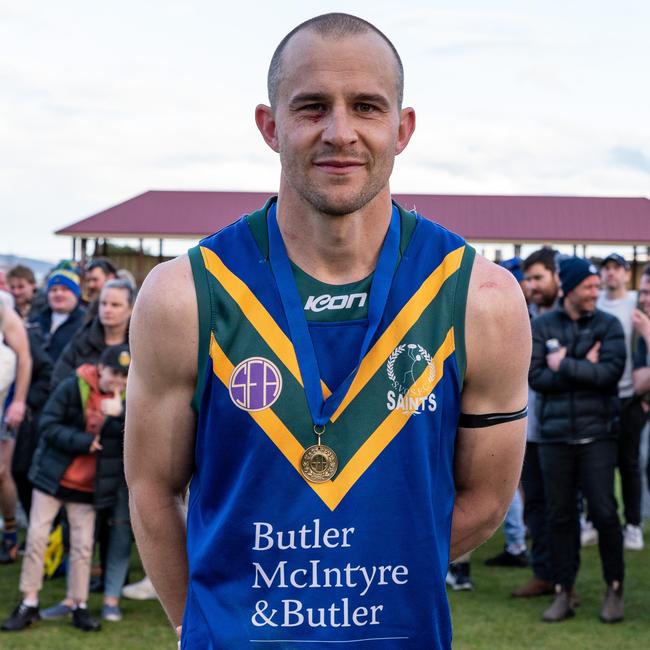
(589, 399)
(64, 359)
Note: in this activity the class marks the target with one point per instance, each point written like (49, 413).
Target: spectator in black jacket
(109, 327)
(578, 359)
(78, 464)
(63, 316)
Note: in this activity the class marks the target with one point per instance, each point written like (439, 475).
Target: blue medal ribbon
(321, 410)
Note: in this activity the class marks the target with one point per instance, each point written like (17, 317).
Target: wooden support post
(82, 261)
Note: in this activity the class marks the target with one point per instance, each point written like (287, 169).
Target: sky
(100, 102)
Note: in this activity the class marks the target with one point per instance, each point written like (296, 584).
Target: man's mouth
(339, 165)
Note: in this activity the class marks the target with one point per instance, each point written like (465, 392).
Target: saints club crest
(406, 364)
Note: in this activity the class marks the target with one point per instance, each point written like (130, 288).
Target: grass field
(485, 619)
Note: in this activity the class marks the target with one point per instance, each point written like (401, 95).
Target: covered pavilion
(517, 220)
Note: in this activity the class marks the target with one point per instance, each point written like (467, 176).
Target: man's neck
(615, 294)
(573, 312)
(334, 249)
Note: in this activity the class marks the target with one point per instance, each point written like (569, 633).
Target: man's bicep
(484, 455)
(498, 343)
(160, 422)
(159, 442)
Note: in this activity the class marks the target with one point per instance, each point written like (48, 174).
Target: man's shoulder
(495, 300)
(602, 316)
(165, 315)
(607, 322)
(168, 285)
(491, 283)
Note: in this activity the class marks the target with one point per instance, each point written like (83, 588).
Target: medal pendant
(319, 463)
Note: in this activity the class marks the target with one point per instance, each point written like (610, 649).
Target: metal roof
(516, 219)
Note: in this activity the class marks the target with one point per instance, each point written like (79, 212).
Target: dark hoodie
(66, 434)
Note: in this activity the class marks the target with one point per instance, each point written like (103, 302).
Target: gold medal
(318, 463)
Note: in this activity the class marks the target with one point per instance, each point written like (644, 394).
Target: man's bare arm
(160, 425)
(488, 460)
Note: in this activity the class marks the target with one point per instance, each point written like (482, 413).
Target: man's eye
(365, 108)
(314, 108)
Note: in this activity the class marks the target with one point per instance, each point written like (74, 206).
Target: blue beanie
(514, 266)
(65, 278)
(573, 270)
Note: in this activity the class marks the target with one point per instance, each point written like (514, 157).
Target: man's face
(336, 124)
(21, 290)
(61, 299)
(542, 285)
(644, 294)
(95, 280)
(614, 276)
(584, 296)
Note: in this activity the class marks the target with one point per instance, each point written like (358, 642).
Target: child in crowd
(77, 465)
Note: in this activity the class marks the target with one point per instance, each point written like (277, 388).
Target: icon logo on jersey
(344, 301)
(405, 365)
(255, 384)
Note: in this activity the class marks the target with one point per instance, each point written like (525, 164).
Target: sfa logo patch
(255, 384)
(405, 365)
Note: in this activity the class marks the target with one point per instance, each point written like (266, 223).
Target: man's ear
(265, 121)
(406, 128)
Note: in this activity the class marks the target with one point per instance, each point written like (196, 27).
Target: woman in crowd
(110, 327)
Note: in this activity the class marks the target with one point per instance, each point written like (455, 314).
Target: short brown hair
(21, 272)
(334, 25)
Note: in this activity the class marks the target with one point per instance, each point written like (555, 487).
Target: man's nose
(339, 130)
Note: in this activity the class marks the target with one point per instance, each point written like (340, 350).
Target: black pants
(591, 466)
(535, 514)
(632, 421)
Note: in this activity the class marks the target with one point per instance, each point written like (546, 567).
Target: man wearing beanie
(63, 316)
(578, 358)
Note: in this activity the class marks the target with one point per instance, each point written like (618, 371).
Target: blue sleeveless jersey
(360, 560)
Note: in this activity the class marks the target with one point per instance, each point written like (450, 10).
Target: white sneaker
(142, 590)
(632, 538)
(588, 534)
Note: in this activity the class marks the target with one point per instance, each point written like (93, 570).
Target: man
(22, 285)
(63, 317)
(617, 301)
(540, 275)
(98, 272)
(296, 496)
(543, 283)
(578, 359)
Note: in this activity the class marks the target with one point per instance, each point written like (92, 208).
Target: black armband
(469, 421)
